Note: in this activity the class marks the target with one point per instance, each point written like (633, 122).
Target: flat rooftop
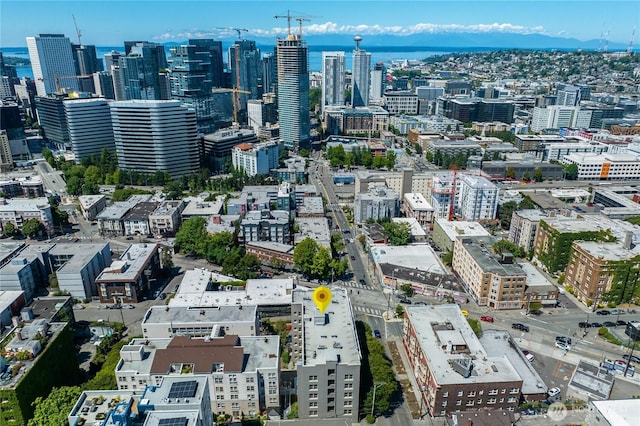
(178, 315)
(435, 326)
(316, 228)
(130, 265)
(416, 229)
(534, 277)
(195, 290)
(330, 336)
(609, 251)
(593, 379)
(533, 215)
(196, 206)
(81, 254)
(454, 229)
(417, 202)
(86, 201)
(102, 399)
(416, 257)
(619, 412)
(480, 249)
(7, 249)
(499, 343)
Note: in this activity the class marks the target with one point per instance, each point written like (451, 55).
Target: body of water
(386, 55)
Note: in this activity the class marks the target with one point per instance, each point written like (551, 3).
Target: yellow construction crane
(235, 102)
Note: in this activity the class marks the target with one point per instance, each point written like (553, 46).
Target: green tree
(397, 233)
(506, 246)
(505, 211)
(510, 173)
(379, 162)
(192, 236)
(535, 306)
(399, 310)
(475, 325)
(32, 228)
(447, 258)
(9, 229)
(391, 159)
(429, 156)
(303, 255)
(418, 148)
(407, 289)
(315, 94)
(54, 409)
(571, 172)
(74, 186)
(537, 175)
(526, 177)
(321, 265)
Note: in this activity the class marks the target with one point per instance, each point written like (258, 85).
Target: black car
(563, 339)
(521, 327)
(609, 324)
(362, 281)
(621, 322)
(633, 358)
(596, 324)
(584, 324)
(603, 312)
(405, 301)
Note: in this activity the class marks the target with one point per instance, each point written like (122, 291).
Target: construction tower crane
(75, 24)
(238, 30)
(630, 48)
(235, 102)
(299, 18)
(57, 78)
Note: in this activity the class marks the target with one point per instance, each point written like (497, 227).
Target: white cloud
(363, 29)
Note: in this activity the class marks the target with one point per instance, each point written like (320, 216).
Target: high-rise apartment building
(194, 68)
(138, 73)
(361, 74)
(269, 73)
(246, 73)
(293, 91)
(89, 125)
(52, 63)
(86, 60)
(378, 81)
(153, 136)
(332, 79)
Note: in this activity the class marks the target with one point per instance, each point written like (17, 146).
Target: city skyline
(103, 24)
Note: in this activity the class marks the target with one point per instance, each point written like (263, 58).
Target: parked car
(405, 301)
(362, 281)
(609, 324)
(554, 391)
(621, 322)
(377, 334)
(486, 318)
(563, 346)
(603, 312)
(616, 311)
(163, 296)
(521, 327)
(596, 325)
(464, 312)
(128, 307)
(528, 355)
(633, 358)
(353, 257)
(584, 325)
(563, 339)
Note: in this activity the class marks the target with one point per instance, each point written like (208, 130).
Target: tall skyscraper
(89, 124)
(246, 74)
(361, 75)
(85, 59)
(192, 70)
(52, 63)
(52, 120)
(378, 81)
(332, 78)
(139, 71)
(153, 136)
(293, 91)
(111, 60)
(8, 78)
(269, 73)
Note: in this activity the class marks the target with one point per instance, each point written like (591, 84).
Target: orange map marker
(321, 297)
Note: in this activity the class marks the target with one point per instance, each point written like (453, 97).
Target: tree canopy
(315, 260)
(55, 408)
(397, 233)
(32, 228)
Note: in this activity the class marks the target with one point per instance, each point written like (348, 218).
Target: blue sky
(104, 22)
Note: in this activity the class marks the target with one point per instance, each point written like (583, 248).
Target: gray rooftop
(86, 201)
(316, 228)
(533, 215)
(499, 343)
(81, 254)
(416, 257)
(198, 207)
(331, 335)
(7, 248)
(460, 228)
(435, 326)
(593, 379)
(115, 211)
(311, 206)
(130, 265)
(178, 315)
(480, 249)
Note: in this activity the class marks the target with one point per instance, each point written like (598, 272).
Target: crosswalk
(368, 311)
(353, 284)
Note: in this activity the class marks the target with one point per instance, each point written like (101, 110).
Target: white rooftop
(418, 257)
(435, 326)
(459, 228)
(131, 263)
(619, 412)
(417, 202)
(86, 201)
(193, 291)
(196, 206)
(416, 229)
(23, 204)
(534, 277)
(331, 335)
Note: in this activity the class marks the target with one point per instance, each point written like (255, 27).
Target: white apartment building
(477, 199)
(242, 372)
(327, 356)
(524, 225)
(153, 136)
(555, 151)
(605, 166)
(257, 159)
(554, 117)
(424, 123)
(416, 206)
(399, 102)
(17, 210)
(333, 73)
(89, 124)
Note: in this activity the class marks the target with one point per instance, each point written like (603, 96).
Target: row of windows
(472, 394)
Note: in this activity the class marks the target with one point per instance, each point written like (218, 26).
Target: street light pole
(376, 385)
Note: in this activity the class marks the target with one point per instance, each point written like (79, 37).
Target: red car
(486, 318)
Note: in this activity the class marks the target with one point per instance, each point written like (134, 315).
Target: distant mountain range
(450, 41)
